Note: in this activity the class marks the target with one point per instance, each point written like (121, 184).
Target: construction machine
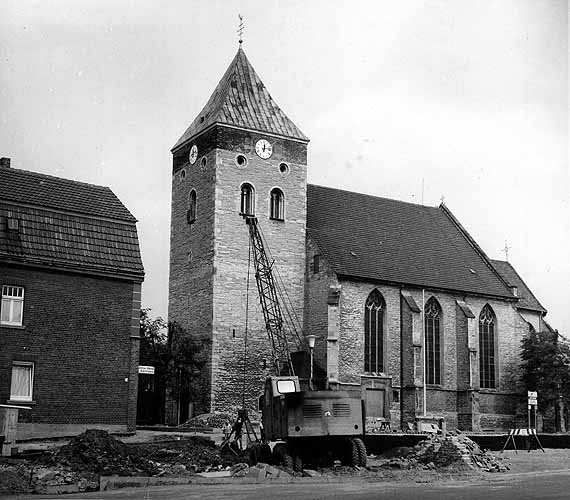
(312, 426)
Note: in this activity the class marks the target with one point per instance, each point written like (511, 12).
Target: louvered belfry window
(487, 348)
(247, 205)
(433, 341)
(277, 206)
(374, 333)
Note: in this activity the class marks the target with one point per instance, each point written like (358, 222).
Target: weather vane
(506, 250)
(240, 29)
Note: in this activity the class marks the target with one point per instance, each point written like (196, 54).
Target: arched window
(432, 315)
(374, 333)
(487, 324)
(277, 205)
(247, 202)
(191, 213)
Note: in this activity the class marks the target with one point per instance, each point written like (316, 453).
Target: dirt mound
(217, 420)
(98, 452)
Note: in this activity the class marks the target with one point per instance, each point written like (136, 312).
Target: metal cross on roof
(506, 250)
(240, 29)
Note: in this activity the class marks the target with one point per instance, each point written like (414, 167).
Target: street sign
(532, 394)
(146, 370)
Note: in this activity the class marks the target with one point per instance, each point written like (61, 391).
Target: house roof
(242, 100)
(56, 230)
(373, 238)
(32, 188)
(527, 298)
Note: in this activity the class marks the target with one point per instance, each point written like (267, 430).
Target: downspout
(424, 348)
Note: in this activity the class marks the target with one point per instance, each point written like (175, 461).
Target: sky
(411, 100)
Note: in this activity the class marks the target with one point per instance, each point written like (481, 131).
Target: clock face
(193, 154)
(264, 149)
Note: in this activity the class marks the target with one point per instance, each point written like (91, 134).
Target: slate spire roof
(242, 100)
(378, 239)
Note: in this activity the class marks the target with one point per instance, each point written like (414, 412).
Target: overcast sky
(470, 97)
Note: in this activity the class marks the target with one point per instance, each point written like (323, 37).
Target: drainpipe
(424, 347)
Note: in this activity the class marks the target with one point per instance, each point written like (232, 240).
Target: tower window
(247, 201)
(374, 333)
(191, 213)
(284, 168)
(277, 208)
(241, 161)
(487, 348)
(316, 263)
(432, 315)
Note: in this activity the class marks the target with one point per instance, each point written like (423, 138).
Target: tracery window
(374, 333)
(277, 205)
(487, 323)
(247, 202)
(432, 315)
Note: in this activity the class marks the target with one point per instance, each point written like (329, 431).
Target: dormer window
(13, 224)
(277, 206)
(247, 201)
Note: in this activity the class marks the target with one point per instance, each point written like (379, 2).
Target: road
(525, 486)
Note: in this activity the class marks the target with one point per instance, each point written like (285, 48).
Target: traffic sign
(532, 394)
(146, 370)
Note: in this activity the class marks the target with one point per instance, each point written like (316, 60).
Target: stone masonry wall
(191, 258)
(285, 240)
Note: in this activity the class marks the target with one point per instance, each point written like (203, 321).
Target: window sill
(21, 403)
(276, 219)
(8, 325)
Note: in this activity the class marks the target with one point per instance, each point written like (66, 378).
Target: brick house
(406, 306)
(70, 276)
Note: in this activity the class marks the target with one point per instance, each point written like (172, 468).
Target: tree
(178, 360)
(546, 369)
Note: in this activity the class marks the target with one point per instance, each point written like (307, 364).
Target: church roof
(66, 224)
(242, 100)
(379, 239)
(509, 274)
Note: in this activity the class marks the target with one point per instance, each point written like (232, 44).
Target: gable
(367, 237)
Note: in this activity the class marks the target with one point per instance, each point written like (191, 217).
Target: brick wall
(77, 332)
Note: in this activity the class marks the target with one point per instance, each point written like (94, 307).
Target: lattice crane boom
(272, 312)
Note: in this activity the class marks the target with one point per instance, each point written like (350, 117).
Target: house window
(487, 348)
(432, 316)
(12, 305)
(316, 263)
(247, 205)
(13, 224)
(277, 208)
(191, 213)
(22, 385)
(374, 333)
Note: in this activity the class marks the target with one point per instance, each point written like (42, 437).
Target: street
(525, 486)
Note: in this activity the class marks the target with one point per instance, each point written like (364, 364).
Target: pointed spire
(242, 100)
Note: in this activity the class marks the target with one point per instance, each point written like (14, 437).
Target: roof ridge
(49, 176)
(373, 196)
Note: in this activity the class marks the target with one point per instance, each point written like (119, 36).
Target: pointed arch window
(277, 205)
(191, 213)
(374, 333)
(247, 202)
(487, 327)
(432, 316)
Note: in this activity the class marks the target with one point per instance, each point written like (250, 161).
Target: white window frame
(12, 294)
(30, 395)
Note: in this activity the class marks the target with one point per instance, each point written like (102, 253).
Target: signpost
(531, 430)
(532, 401)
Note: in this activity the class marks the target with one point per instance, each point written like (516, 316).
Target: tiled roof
(527, 298)
(22, 186)
(64, 233)
(375, 238)
(241, 100)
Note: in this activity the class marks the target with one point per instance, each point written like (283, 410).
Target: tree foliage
(546, 367)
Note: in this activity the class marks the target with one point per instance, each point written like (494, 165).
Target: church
(406, 307)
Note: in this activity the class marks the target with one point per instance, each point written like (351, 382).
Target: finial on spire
(240, 29)
(506, 250)
(442, 200)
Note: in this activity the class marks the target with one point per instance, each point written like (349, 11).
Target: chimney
(5, 162)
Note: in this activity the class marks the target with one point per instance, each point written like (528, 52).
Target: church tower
(240, 156)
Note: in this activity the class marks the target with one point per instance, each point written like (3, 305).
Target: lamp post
(311, 339)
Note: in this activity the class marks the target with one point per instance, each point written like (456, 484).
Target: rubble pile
(98, 452)
(454, 450)
(214, 420)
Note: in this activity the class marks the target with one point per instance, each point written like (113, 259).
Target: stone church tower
(240, 155)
